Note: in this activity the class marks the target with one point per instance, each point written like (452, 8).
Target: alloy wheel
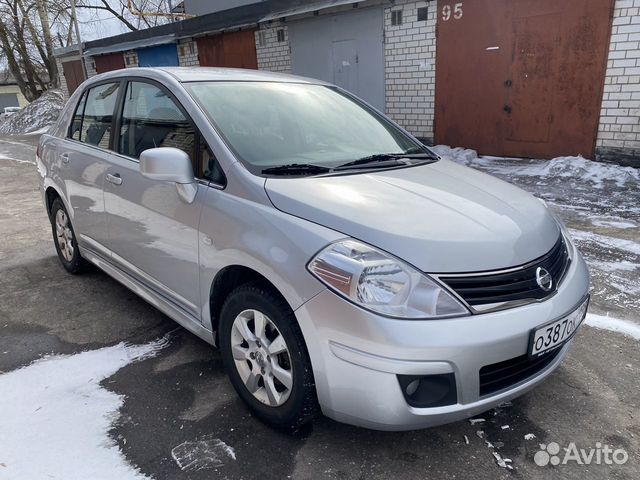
(261, 357)
(64, 235)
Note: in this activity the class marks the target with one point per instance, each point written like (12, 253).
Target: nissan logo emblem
(544, 280)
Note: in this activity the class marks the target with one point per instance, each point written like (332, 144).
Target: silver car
(339, 265)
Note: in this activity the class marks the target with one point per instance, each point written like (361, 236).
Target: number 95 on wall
(452, 11)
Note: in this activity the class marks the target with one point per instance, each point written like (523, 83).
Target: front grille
(516, 284)
(499, 376)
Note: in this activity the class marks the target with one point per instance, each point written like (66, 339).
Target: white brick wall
(62, 78)
(130, 59)
(620, 114)
(410, 59)
(90, 65)
(188, 53)
(273, 55)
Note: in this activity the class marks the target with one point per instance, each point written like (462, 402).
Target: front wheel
(264, 353)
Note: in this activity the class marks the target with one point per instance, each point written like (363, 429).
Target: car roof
(211, 74)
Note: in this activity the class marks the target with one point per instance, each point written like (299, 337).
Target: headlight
(380, 283)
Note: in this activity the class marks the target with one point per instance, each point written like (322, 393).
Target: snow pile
(38, 115)
(56, 417)
(465, 156)
(577, 168)
(583, 169)
(625, 327)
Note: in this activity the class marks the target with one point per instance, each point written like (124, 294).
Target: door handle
(64, 157)
(116, 179)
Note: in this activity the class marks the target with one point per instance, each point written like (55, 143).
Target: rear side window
(98, 115)
(151, 119)
(76, 124)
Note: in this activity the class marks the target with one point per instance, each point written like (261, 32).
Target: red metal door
(111, 61)
(74, 74)
(521, 78)
(233, 49)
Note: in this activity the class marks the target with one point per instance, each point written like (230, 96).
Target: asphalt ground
(183, 395)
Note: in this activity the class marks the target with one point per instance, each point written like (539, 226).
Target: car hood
(441, 217)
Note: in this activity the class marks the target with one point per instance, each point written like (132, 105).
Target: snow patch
(502, 462)
(579, 168)
(465, 156)
(203, 453)
(529, 436)
(30, 162)
(56, 417)
(621, 266)
(611, 223)
(624, 327)
(606, 241)
(38, 115)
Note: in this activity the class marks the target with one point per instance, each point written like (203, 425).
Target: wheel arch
(228, 279)
(50, 195)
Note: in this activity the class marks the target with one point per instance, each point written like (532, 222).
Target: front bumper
(357, 355)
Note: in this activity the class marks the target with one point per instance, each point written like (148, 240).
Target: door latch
(508, 83)
(507, 108)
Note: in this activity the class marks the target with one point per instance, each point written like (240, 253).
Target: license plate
(553, 334)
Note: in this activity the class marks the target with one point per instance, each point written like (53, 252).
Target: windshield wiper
(393, 159)
(296, 169)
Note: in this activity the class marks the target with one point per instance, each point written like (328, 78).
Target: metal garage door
(521, 78)
(346, 49)
(160, 56)
(73, 74)
(111, 61)
(234, 49)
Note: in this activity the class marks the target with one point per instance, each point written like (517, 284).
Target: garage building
(522, 78)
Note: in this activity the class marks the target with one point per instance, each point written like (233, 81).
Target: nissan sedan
(341, 266)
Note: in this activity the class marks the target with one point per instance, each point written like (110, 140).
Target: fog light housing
(428, 391)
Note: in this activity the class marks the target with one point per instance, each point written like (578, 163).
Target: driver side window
(150, 119)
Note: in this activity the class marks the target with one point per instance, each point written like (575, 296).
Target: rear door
(153, 233)
(83, 159)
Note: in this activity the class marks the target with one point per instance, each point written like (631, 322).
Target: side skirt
(163, 304)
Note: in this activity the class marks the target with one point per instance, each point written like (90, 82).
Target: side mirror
(170, 164)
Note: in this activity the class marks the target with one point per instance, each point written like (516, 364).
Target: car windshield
(270, 124)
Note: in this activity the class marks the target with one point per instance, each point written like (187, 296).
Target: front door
(153, 233)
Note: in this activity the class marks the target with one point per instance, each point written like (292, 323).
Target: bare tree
(148, 13)
(30, 28)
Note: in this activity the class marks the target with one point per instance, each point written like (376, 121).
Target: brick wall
(188, 53)
(90, 65)
(130, 59)
(619, 130)
(273, 55)
(410, 51)
(62, 79)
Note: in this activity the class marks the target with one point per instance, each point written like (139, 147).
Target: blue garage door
(160, 56)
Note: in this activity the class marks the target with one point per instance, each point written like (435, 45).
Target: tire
(64, 239)
(284, 408)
